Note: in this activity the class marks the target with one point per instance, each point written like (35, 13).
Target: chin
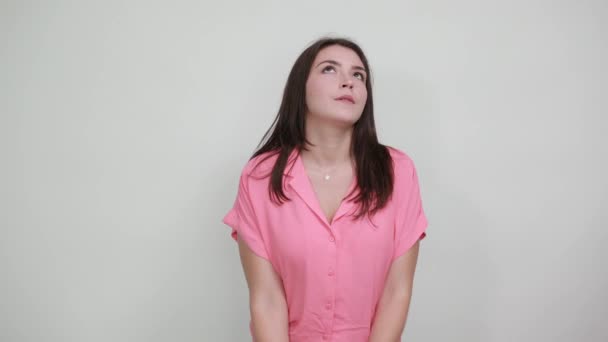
(347, 119)
(340, 117)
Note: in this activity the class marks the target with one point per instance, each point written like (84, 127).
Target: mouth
(346, 98)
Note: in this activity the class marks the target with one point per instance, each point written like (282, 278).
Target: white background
(124, 126)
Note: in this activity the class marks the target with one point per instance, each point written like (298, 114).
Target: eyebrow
(331, 61)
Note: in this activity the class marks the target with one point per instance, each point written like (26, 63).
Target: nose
(347, 82)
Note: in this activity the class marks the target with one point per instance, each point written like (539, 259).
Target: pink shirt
(333, 274)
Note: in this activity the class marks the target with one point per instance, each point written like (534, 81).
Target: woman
(326, 218)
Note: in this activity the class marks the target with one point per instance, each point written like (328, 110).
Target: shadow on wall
(230, 303)
(455, 283)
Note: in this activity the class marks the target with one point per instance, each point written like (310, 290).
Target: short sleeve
(411, 220)
(243, 221)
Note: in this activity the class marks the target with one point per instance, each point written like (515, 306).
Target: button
(330, 273)
(328, 306)
(331, 238)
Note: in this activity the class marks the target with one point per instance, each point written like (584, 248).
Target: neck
(331, 144)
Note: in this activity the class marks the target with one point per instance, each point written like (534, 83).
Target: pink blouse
(333, 274)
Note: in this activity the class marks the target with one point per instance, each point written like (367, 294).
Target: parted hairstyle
(373, 163)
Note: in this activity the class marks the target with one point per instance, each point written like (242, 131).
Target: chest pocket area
(374, 232)
(383, 219)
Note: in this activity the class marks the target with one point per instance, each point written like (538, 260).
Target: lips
(346, 98)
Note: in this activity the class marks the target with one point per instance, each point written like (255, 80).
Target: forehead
(339, 54)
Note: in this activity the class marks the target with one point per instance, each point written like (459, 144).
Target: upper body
(328, 219)
(333, 274)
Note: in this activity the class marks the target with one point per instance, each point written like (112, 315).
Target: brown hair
(373, 162)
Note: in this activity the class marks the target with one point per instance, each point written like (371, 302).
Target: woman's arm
(394, 304)
(267, 304)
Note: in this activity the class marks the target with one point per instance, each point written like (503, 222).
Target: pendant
(326, 177)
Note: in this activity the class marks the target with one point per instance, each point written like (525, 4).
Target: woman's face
(336, 72)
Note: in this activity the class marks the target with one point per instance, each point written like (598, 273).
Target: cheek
(362, 99)
(314, 93)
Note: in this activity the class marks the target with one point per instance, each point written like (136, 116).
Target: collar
(297, 179)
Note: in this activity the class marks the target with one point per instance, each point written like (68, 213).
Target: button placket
(329, 307)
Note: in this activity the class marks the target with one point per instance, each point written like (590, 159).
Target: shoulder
(402, 162)
(404, 170)
(260, 166)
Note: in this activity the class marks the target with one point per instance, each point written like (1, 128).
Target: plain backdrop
(125, 124)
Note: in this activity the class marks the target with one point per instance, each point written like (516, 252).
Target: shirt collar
(297, 179)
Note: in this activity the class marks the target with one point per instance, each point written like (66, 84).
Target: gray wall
(124, 126)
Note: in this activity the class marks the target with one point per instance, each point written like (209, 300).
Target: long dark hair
(373, 162)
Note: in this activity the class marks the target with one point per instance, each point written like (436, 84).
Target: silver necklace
(326, 173)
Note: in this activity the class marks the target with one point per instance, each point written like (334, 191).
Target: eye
(329, 67)
(360, 76)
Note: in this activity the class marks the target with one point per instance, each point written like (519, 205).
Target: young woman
(326, 218)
